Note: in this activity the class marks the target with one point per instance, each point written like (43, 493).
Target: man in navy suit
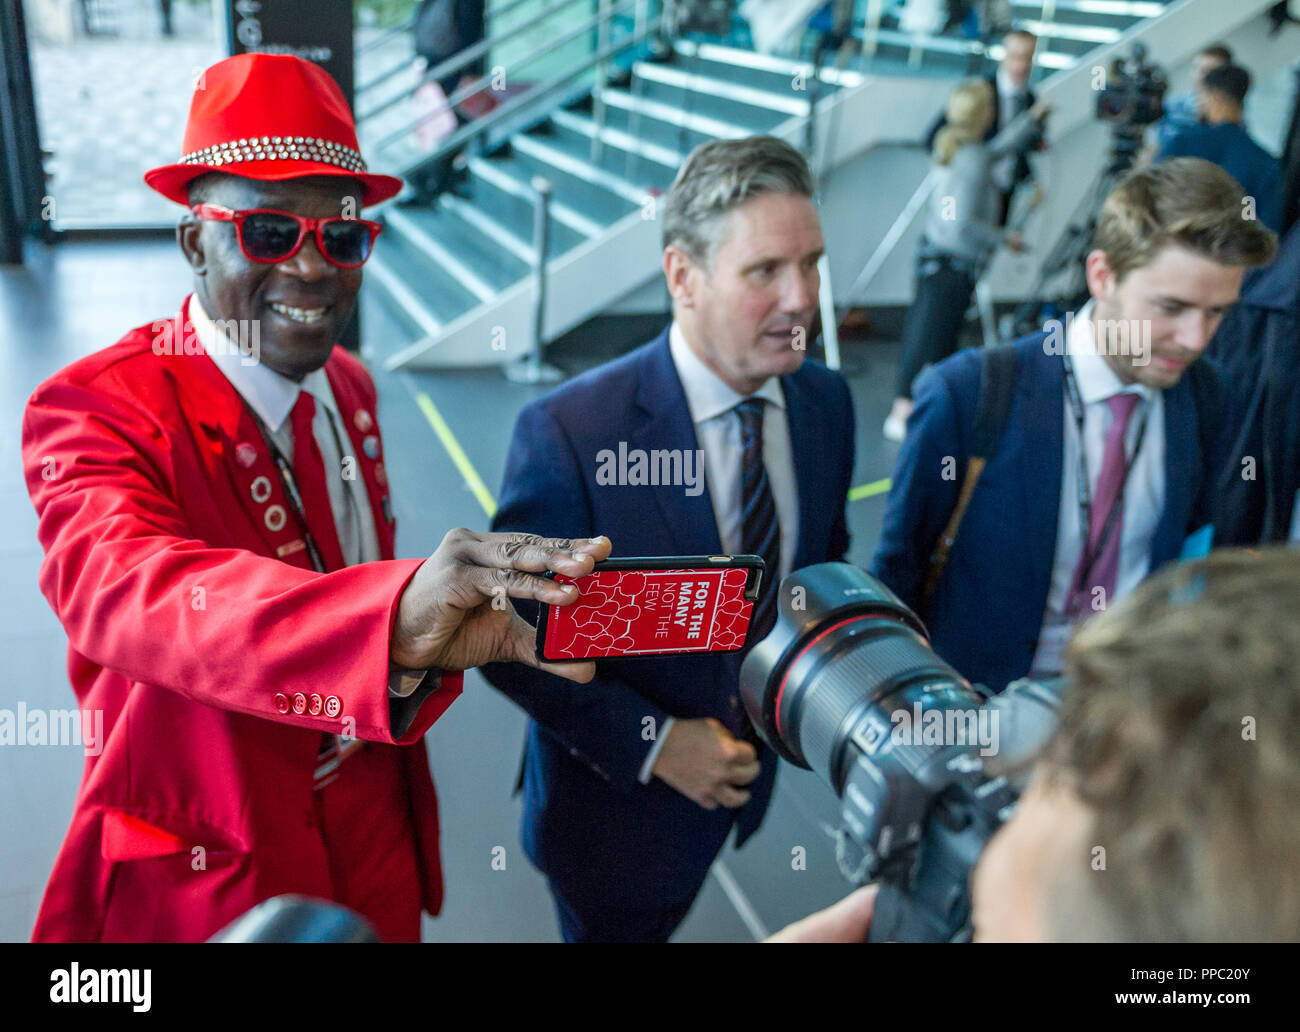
(1222, 138)
(632, 785)
(1256, 352)
(1034, 553)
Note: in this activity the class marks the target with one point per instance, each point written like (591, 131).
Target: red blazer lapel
(357, 408)
(237, 444)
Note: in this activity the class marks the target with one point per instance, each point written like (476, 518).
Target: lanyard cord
(348, 492)
(291, 493)
(1091, 555)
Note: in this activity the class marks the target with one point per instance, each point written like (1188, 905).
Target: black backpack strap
(997, 387)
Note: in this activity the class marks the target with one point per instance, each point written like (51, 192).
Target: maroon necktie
(1110, 483)
(309, 474)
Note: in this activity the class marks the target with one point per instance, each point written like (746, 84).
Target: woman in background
(961, 232)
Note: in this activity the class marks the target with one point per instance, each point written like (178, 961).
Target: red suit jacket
(217, 655)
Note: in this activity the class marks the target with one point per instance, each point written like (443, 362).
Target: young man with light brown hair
(1102, 469)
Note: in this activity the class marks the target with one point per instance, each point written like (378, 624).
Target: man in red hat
(218, 541)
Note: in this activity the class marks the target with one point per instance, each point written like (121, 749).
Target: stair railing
(540, 95)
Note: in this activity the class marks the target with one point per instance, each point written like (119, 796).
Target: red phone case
(650, 607)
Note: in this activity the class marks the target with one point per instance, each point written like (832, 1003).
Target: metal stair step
(583, 190)
(763, 71)
(509, 201)
(756, 111)
(666, 124)
(437, 289)
(479, 263)
(637, 160)
(1111, 13)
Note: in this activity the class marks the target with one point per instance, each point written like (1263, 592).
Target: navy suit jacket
(1257, 350)
(1229, 146)
(987, 609)
(588, 823)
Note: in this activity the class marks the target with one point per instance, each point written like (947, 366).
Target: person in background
(1181, 109)
(962, 229)
(1257, 350)
(440, 30)
(1011, 86)
(1222, 139)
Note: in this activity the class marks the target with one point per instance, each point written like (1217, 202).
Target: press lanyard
(291, 493)
(1090, 555)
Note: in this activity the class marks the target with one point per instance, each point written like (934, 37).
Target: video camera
(847, 685)
(1132, 98)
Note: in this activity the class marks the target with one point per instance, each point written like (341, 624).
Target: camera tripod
(1064, 261)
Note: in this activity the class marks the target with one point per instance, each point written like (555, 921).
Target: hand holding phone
(653, 607)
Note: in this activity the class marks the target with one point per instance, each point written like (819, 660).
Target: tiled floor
(78, 297)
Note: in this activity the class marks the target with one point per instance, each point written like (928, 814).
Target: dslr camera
(926, 765)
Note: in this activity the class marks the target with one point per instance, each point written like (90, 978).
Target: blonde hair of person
(970, 111)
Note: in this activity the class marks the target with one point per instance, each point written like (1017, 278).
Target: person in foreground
(1166, 808)
(659, 747)
(219, 547)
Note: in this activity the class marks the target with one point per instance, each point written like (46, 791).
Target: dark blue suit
(1229, 146)
(1257, 349)
(604, 839)
(988, 607)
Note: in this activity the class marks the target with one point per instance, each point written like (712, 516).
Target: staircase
(459, 276)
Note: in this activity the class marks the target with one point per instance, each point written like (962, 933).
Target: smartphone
(653, 607)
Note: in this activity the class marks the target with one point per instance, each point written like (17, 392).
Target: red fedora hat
(269, 116)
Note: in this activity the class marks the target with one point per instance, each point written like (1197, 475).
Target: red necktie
(1114, 463)
(309, 473)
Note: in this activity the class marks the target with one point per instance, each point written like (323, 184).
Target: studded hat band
(271, 148)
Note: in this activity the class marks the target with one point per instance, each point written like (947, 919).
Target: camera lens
(844, 657)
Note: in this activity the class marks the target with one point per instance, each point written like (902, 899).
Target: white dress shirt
(1144, 492)
(712, 405)
(272, 398)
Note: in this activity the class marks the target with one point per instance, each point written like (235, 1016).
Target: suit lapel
(237, 446)
(1041, 390)
(807, 466)
(692, 525)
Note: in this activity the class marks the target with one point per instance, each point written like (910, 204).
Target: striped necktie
(760, 528)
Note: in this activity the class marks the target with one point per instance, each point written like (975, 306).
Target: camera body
(926, 765)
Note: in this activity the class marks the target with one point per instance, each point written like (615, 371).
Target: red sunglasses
(268, 235)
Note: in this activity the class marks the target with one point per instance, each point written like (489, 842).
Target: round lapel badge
(371, 447)
(362, 420)
(260, 489)
(245, 454)
(381, 474)
(275, 517)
